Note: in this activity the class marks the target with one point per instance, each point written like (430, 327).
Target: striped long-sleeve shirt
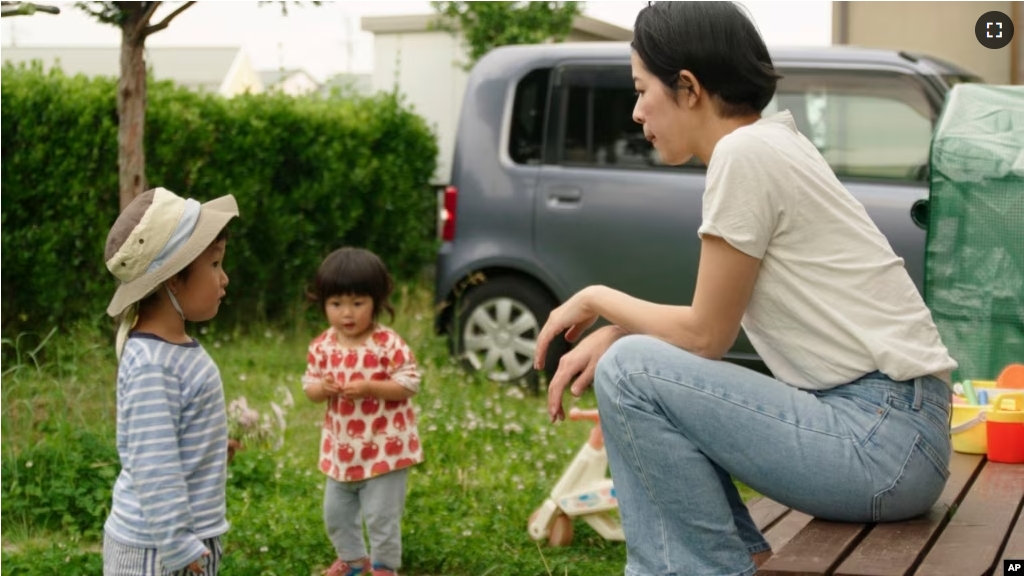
(172, 442)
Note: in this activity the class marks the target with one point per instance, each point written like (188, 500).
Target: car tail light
(447, 216)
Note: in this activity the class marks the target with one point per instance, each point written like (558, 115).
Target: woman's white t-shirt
(832, 300)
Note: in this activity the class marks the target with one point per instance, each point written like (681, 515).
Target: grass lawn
(491, 457)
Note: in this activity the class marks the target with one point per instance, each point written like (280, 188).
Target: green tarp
(974, 258)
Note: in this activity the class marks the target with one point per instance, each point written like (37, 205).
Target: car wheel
(496, 330)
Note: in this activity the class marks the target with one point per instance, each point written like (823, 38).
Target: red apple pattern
(365, 437)
(346, 453)
(354, 474)
(380, 467)
(370, 451)
(370, 405)
(393, 446)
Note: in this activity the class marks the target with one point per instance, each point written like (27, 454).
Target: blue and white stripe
(182, 232)
(172, 442)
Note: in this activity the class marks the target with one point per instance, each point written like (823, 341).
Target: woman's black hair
(716, 42)
(357, 272)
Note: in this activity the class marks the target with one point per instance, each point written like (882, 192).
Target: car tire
(495, 330)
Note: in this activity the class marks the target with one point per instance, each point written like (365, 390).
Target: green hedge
(310, 175)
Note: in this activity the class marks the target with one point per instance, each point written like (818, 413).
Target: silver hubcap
(500, 337)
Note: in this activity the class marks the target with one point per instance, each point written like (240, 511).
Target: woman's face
(666, 117)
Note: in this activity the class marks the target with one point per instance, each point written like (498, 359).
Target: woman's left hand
(577, 368)
(573, 317)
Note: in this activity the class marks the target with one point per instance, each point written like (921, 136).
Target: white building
(427, 66)
(941, 29)
(218, 70)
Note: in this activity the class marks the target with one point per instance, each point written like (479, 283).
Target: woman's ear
(689, 84)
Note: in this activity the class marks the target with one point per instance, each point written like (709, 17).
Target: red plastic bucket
(1005, 429)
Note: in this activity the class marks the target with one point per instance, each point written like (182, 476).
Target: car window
(596, 114)
(526, 137)
(595, 120)
(865, 125)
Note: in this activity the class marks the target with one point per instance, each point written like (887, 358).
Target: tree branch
(144, 11)
(167, 21)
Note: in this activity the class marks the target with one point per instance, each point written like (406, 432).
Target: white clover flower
(515, 392)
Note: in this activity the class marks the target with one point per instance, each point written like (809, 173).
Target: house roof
(272, 77)
(422, 22)
(358, 83)
(199, 68)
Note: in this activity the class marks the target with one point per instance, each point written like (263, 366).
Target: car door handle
(564, 197)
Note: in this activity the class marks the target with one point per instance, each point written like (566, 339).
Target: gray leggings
(380, 502)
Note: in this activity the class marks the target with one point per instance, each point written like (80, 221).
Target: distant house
(357, 84)
(217, 70)
(426, 64)
(294, 82)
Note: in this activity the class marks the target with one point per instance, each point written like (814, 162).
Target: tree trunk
(131, 108)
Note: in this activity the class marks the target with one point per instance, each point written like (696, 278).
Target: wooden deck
(975, 525)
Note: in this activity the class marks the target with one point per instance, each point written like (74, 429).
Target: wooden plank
(784, 530)
(817, 549)
(970, 544)
(893, 548)
(765, 512)
(1015, 544)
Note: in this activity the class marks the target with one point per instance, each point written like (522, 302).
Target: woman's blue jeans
(679, 427)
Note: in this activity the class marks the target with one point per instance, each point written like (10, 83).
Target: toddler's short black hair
(715, 41)
(354, 271)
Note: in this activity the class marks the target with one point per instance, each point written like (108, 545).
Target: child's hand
(356, 389)
(197, 566)
(330, 386)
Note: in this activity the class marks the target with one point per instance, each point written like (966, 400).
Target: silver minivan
(554, 187)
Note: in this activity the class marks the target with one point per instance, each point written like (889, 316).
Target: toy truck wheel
(561, 531)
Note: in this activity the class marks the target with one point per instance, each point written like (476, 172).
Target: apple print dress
(365, 437)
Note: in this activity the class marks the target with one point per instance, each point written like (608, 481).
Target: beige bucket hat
(157, 236)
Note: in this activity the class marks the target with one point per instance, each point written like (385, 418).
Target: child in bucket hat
(169, 506)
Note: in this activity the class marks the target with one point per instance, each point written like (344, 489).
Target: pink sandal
(342, 568)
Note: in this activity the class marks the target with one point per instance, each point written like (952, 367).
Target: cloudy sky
(327, 39)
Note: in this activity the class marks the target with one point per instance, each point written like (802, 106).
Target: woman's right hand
(580, 362)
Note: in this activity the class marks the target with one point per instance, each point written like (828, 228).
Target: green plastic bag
(974, 256)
